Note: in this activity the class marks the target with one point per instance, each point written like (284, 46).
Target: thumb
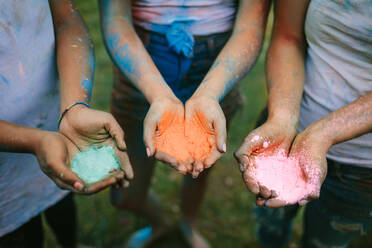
(66, 178)
(245, 150)
(220, 127)
(113, 127)
(149, 128)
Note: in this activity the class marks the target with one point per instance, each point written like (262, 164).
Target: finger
(312, 196)
(251, 182)
(275, 203)
(220, 128)
(64, 174)
(182, 169)
(264, 192)
(125, 164)
(273, 194)
(198, 168)
(242, 168)
(260, 201)
(126, 183)
(98, 186)
(189, 165)
(63, 185)
(166, 158)
(212, 158)
(302, 202)
(113, 127)
(245, 150)
(149, 128)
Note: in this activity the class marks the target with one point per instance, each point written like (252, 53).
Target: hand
(310, 151)
(54, 153)
(273, 136)
(86, 127)
(153, 117)
(209, 109)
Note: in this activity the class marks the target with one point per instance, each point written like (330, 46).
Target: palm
(312, 159)
(86, 127)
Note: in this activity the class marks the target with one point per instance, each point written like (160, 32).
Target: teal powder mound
(95, 164)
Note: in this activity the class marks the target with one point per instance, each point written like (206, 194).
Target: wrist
(319, 135)
(288, 120)
(71, 109)
(161, 96)
(156, 88)
(204, 92)
(35, 139)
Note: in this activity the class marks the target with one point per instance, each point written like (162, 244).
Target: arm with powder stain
(232, 64)
(132, 59)
(75, 61)
(285, 70)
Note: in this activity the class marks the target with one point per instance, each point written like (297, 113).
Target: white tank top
(28, 96)
(338, 68)
(203, 17)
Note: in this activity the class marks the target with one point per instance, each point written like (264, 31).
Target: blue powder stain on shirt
(4, 79)
(95, 164)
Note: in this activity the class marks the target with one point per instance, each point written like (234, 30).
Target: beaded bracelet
(68, 108)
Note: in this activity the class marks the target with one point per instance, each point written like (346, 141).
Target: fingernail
(148, 151)
(267, 203)
(78, 186)
(224, 147)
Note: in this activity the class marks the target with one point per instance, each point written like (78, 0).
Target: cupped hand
(272, 137)
(158, 107)
(310, 151)
(54, 153)
(87, 127)
(209, 113)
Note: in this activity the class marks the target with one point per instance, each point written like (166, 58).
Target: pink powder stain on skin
(283, 175)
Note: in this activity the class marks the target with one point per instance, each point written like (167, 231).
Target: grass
(225, 219)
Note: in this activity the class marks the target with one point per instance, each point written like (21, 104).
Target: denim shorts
(182, 74)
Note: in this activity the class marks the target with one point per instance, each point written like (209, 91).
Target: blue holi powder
(95, 164)
(180, 39)
(125, 59)
(229, 64)
(88, 83)
(88, 86)
(228, 87)
(4, 79)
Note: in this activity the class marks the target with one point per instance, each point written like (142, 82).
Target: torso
(202, 17)
(29, 97)
(338, 67)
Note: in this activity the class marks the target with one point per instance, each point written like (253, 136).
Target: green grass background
(225, 219)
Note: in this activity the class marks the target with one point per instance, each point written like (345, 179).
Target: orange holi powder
(184, 139)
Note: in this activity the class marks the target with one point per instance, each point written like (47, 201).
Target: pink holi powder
(283, 175)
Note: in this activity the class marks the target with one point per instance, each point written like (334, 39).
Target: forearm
(241, 51)
(350, 121)
(16, 138)
(127, 51)
(285, 63)
(285, 71)
(75, 54)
